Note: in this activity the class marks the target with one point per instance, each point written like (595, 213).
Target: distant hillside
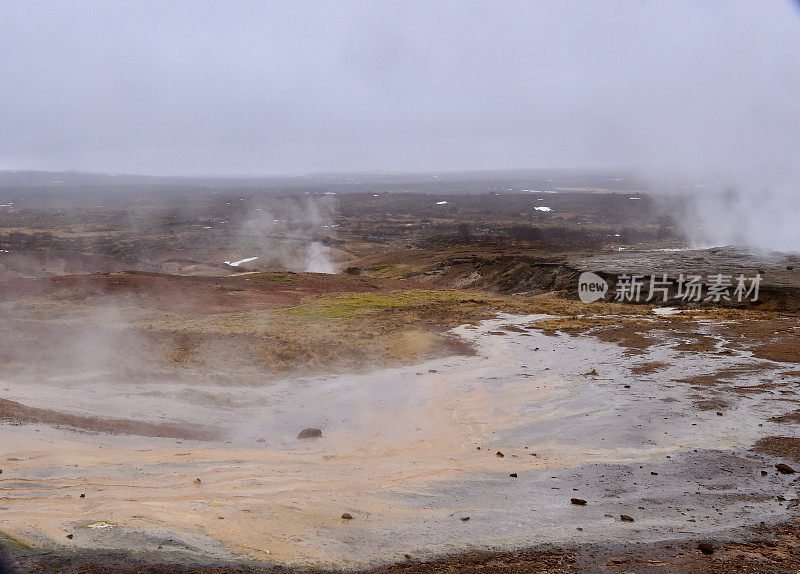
(455, 182)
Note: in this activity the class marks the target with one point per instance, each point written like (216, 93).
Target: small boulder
(310, 433)
(578, 501)
(705, 547)
(784, 468)
(347, 516)
(626, 518)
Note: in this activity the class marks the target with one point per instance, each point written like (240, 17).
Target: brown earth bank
(194, 294)
(765, 549)
(15, 412)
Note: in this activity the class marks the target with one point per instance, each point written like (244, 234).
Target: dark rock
(626, 518)
(197, 481)
(653, 473)
(578, 501)
(310, 433)
(347, 516)
(784, 468)
(763, 473)
(500, 454)
(69, 536)
(83, 495)
(464, 518)
(705, 547)
(513, 475)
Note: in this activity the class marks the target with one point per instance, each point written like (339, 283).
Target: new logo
(591, 287)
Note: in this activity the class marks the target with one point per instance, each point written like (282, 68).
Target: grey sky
(266, 87)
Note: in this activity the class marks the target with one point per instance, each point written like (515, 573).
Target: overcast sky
(294, 87)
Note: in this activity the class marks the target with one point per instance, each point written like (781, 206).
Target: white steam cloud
(318, 259)
(291, 234)
(753, 212)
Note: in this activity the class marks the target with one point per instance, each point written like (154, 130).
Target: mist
(268, 88)
(252, 88)
(289, 233)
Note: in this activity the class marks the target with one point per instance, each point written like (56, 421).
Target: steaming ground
(135, 361)
(409, 452)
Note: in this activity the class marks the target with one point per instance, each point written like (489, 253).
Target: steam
(318, 259)
(291, 233)
(761, 213)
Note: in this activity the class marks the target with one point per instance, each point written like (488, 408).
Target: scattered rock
(653, 473)
(784, 468)
(464, 518)
(513, 475)
(578, 501)
(626, 518)
(500, 454)
(705, 547)
(347, 516)
(310, 433)
(432, 371)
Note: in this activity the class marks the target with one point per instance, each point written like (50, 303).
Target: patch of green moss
(352, 304)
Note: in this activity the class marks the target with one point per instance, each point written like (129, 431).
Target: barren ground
(151, 396)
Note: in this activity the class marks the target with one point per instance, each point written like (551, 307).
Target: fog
(268, 88)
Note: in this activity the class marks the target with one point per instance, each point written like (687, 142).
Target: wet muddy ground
(463, 454)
